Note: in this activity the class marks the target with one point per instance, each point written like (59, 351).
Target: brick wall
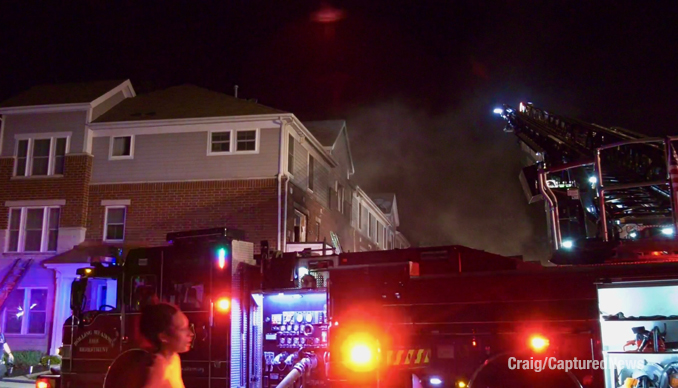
(330, 219)
(73, 186)
(159, 208)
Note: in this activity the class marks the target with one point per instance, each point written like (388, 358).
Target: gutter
(280, 172)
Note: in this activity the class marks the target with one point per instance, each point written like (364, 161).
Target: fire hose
(308, 362)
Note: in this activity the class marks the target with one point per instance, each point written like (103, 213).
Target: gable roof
(387, 203)
(326, 131)
(183, 102)
(57, 94)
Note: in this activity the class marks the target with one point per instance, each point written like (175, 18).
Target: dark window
(290, 156)
(40, 159)
(122, 146)
(14, 230)
(60, 156)
(311, 168)
(143, 291)
(221, 141)
(115, 223)
(53, 229)
(21, 157)
(33, 234)
(246, 141)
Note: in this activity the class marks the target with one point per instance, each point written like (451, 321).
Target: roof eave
(300, 126)
(49, 108)
(188, 121)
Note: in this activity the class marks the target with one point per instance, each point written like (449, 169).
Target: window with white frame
(371, 226)
(41, 156)
(311, 172)
(26, 311)
(240, 141)
(33, 229)
(246, 141)
(360, 216)
(340, 198)
(290, 155)
(114, 224)
(121, 147)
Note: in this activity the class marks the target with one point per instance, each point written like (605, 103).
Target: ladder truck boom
(606, 189)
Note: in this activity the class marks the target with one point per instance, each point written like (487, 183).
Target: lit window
(33, 229)
(122, 147)
(40, 156)
(114, 225)
(26, 311)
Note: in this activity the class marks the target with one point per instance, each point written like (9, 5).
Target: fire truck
(206, 273)
(434, 317)
(420, 317)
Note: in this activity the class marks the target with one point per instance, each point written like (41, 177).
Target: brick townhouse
(86, 166)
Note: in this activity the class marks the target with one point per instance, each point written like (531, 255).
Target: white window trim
(29, 151)
(121, 157)
(26, 321)
(233, 140)
(310, 178)
(44, 240)
(290, 144)
(124, 223)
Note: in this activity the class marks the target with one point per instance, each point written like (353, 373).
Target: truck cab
(207, 274)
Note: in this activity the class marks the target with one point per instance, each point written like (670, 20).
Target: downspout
(280, 171)
(284, 231)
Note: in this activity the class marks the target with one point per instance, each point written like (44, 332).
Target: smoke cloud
(455, 176)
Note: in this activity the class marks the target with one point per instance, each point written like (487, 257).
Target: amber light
(539, 343)
(360, 352)
(42, 384)
(223, 304)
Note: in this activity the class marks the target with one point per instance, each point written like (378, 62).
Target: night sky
(415, 80)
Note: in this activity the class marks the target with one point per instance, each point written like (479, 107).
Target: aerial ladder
(607, 190)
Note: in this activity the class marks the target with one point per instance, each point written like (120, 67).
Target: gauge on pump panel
(309, 317)
(300, 317)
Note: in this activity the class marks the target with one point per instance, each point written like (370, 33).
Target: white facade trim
(55, 108)
(181, 181)
(116, 202)
(65, 275)
(36, 202)
(46, 135)
(125, 87)
(271, 121)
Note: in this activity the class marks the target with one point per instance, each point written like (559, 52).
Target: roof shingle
(56, 94)
(325, 131)
(182, 102)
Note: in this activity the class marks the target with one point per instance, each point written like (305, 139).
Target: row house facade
(91, 165)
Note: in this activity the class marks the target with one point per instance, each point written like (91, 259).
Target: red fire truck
(207, 273)
(434, 317)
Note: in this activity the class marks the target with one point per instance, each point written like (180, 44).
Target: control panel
(294, 321)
